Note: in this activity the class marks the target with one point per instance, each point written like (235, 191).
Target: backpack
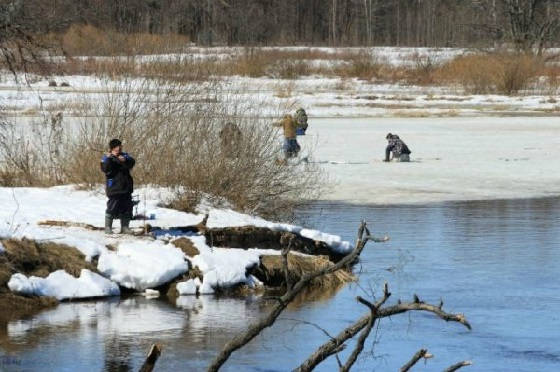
(301, 119)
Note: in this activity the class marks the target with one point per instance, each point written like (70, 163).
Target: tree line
(419, 23)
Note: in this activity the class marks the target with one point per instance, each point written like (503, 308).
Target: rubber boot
(108, 224)
(125, 229)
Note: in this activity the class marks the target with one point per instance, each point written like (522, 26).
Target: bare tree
(532, 22)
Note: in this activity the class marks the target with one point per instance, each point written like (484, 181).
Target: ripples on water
(496, 261)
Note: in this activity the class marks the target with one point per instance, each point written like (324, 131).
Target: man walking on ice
(119, 186)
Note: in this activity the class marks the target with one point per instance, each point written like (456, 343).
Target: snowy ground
(321, 96)
(137, 263)
(452, 159)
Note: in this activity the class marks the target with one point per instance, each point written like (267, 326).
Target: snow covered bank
(142, 264)
(133, 262)
(62, 285)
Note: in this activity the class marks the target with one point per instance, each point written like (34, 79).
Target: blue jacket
(117, 173)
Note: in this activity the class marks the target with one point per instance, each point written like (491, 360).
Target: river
(498, 262)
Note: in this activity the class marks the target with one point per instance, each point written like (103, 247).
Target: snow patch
(63, 286)
(143, 264)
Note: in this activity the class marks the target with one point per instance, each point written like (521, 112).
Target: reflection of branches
(151, 358)
(314, 325)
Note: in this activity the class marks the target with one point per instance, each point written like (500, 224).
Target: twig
(456, 366)
(422, 353)
(326, 350)
(367, 330)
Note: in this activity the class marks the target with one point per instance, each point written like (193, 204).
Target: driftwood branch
(255, 328)
(421, 306)
(151, 359)
(367, 330)
(326, 350)
(422, 353)
(456, 366)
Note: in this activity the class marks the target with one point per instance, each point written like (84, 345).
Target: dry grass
(87, 40)
(500, 73)
(37, 259)
(272, 274)
(40, 259)
(175, 136)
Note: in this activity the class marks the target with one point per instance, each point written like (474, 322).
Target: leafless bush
(361, 65)
(31, 154)
(174, 132)
(424, 69)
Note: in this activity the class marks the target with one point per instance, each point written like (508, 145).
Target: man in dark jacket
(400, 150)
(119, 186)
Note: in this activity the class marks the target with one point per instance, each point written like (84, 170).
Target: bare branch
(325, 350)
(422, 353)
(365, 333)
(255, 328)
(456, 366)
(421, 306)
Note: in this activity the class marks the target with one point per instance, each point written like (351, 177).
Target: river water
(498, 262)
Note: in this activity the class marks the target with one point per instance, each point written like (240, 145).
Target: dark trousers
(120, 206)
(291, 147)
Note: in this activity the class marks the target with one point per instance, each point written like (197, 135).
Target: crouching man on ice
(119, 186)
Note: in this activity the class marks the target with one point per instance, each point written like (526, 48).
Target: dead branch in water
(327, 349)
(241, 340)
(369, 325)
(456, 366)
(151, 359)
(422, 353)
